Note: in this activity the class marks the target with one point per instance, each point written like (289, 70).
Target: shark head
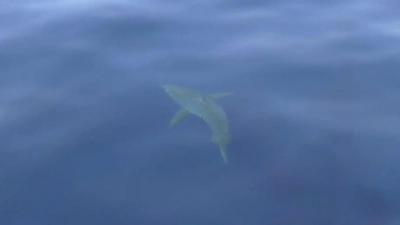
(181, 95)
(173, 90)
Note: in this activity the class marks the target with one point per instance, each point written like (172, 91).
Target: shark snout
(172, 90)
(168, 88)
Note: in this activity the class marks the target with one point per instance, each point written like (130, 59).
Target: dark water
(314, 116)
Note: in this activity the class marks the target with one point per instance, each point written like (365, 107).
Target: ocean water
(314, 115)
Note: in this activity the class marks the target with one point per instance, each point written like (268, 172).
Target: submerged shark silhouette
(205, 107)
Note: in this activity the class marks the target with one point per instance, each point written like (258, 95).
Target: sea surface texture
(314, 115)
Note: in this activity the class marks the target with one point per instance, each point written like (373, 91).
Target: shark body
(204, 107)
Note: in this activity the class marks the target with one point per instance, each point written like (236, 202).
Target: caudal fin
(224, 153)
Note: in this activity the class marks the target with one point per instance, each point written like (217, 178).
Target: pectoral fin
(221, 95)
(182, 113)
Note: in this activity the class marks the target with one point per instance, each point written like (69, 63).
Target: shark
(206, 108)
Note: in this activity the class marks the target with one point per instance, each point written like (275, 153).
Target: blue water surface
(314, 118)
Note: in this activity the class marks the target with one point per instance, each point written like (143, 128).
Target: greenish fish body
(204, 107)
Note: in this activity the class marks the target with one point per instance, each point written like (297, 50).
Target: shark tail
(224, 154)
